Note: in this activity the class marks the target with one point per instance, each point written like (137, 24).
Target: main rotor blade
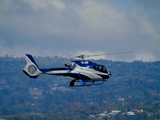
(108, 54)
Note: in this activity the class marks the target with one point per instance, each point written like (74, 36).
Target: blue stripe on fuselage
(54, 69)
(85, 63)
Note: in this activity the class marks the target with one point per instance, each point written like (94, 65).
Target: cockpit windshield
(89, 64)
(100, 68)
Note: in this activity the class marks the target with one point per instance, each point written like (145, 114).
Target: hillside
(134, 85)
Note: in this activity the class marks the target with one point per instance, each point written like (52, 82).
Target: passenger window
(100, 68)
(104, 69)
(96, 67)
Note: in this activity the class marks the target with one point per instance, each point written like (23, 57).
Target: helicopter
(84, 72)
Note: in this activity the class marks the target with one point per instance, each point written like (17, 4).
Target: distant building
(149, 113)
(130, 113)
(35, 91)
(103, 114)
(137, 110)
(114, 112)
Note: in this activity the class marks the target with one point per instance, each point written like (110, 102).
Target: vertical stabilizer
(31, 69)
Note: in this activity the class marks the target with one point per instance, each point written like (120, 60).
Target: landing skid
(77, 83)
(98, 83)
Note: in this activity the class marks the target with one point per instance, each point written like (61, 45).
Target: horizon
(75, 58)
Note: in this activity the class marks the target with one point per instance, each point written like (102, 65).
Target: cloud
(53, 27)
(145, 57)
(42, 5)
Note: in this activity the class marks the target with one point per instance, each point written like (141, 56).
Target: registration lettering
(84, 62)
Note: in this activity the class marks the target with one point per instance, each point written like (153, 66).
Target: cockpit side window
(104, 69)
(73, 65)
(96, 67)
(100, 68)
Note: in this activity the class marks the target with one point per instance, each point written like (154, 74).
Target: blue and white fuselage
(81, 70)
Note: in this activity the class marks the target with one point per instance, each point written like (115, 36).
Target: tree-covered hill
(50, 96)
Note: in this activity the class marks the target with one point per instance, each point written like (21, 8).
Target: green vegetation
(133, 87)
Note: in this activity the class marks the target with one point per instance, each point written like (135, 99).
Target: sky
(58, 27)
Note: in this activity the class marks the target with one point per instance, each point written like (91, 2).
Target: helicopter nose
(110, 74)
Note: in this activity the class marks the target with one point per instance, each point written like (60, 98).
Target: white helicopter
(84, 72)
